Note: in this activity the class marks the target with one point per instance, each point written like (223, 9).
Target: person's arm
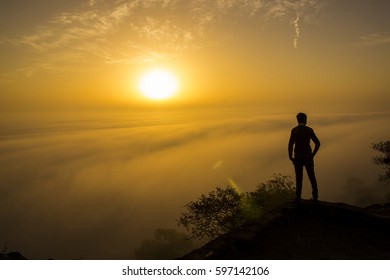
(316, 143)
(290, 147)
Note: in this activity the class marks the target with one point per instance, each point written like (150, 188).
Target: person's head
(302, 118)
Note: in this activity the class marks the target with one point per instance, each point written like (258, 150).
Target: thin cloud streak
(374, 40)
(297, 31)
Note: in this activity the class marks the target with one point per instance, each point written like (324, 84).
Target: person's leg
(298, 166)
(309, 165)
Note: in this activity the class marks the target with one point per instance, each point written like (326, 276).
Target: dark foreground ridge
(12, 256)
(308, 231)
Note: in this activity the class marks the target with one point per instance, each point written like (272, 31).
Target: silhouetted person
(303, 154)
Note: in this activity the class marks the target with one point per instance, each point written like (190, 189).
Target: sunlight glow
(158, 84)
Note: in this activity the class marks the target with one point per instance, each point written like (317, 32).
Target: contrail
(297, 31)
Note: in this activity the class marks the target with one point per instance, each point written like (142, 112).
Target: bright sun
(158, 84)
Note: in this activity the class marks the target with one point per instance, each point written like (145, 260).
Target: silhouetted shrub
(274, 192)
(225, 209)
(384, 159)
(213, 214)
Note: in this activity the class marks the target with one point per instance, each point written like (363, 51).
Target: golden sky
(328, 55)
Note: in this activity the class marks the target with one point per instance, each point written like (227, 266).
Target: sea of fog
(94, 185)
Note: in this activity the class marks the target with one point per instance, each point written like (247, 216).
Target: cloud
(293, 11)
(374, 39)
(140, 30)
(95, 186)
(71, 27)
(297, 31)
(70, 37)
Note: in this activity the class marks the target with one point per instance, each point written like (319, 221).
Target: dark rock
(12, 256)
(310, 230)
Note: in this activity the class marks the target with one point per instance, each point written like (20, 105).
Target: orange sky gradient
(327, 55)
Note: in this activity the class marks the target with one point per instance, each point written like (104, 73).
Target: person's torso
(302, 135)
